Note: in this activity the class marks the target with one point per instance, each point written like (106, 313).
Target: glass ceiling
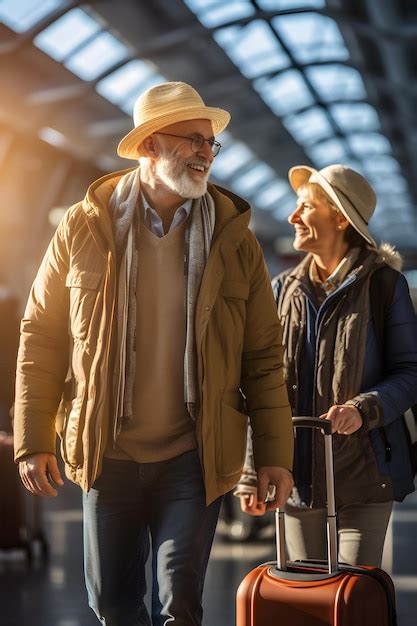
(306, 81)
(20, 15)
(67, 34)
(320, 40)
(256, 51)
(124, 84)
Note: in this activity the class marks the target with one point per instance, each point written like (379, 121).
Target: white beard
(173, 171)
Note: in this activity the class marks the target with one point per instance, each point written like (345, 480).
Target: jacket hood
(99, 192)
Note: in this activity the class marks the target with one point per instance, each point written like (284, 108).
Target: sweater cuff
(247, 484)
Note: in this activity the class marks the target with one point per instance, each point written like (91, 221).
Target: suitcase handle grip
(313, 422)
(325, 427)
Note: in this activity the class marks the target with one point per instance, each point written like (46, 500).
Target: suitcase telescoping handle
(332, 550)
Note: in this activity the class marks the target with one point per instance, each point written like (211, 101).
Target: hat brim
(129, 146)
(302, 174)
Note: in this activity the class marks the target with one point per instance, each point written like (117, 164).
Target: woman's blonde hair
(317, 194)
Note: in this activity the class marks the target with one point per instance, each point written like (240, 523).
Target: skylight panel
(128, 104)
(381, 165)
(272, 193)
(253, 48)
(271, 5)
(66, 34)
(259, 174)
(200, 5)
(285, 93)
(231, 160)
(22, 15)
(228, 36)
(394, 183)
(336, 82)
(52, 136)
(311, 37)
(327, 152)
(369, 143)
(129, 78)
(350, 117)
(97, 56)
(224, 12)
(308, 126)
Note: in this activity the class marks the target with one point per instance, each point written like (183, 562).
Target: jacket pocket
(232, 313)
(83, 288)
(73, 426)
(231, 443)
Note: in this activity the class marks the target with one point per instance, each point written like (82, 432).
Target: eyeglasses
(197, 142)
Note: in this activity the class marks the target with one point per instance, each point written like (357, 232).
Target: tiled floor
(54, 595)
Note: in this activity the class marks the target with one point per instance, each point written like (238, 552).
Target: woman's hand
(249, 504)
(345, 419)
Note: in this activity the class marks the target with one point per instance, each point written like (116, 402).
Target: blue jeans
(130, 505)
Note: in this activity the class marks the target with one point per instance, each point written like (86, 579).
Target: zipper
(199, 419)
(296, 355)
(96, 388)
(95, 365)
(320, 321)
(215, 249)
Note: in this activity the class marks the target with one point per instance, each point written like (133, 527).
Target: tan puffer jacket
(66, 347)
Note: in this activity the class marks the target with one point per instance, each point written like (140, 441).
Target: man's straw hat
(348, 190)
(163, 105)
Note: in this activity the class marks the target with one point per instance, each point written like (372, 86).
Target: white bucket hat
(163, 105)
(348, 190)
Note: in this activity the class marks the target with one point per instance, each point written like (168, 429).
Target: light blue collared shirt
(154, 222)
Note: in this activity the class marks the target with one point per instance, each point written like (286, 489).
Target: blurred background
(306, 81)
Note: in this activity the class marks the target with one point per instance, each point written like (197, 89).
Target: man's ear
(149, 147)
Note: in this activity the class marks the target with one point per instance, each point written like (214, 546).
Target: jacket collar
(368, 260)
(230, 208)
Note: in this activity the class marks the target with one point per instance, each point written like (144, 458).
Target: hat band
(352, 205)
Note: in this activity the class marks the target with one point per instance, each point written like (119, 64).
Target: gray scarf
(123, 205)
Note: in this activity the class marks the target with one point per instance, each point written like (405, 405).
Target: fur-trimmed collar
(389, 255)
(384, 253)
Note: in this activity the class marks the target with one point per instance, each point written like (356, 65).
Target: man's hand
(278, 477)
(38, 472)
(345, 419)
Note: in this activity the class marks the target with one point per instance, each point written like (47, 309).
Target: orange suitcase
(314, 593)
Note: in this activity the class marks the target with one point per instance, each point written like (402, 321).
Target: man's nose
(206, 152)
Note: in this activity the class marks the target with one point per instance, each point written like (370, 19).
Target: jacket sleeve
(397, 390)
(43, 352)
(262, 379)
